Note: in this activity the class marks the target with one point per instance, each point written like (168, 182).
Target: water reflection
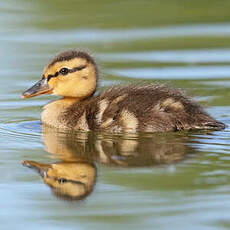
(74, 176)
(68, 180)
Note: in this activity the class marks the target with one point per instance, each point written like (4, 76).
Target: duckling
(73, 75)
(68, 180)
(126, 150)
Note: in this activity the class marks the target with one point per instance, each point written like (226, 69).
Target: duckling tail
(213, 125)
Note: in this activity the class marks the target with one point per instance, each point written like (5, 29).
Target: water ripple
(116, 35)
(171, 56)
(30, 129)
(181, 72)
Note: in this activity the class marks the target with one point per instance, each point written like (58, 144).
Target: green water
(146, 181)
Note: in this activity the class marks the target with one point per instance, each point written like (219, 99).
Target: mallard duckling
(73, 75)
(68, 180)
(127, 150)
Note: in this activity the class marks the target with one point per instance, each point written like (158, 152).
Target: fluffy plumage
(148, 108)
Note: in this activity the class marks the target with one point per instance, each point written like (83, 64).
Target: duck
(110, 150)
(73, 75)
(70, 181)
(73, 175)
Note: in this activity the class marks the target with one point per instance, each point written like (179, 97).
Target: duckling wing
(151, 108)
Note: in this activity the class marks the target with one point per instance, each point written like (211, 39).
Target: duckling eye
(64, 71)
(62, 180)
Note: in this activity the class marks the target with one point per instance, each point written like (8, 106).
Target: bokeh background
(183, 43)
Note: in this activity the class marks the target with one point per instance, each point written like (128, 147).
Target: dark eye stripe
(77, 68)
(66, 180)
(49, 77)
(70, 71)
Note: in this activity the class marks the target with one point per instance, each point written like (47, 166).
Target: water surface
(144, 181)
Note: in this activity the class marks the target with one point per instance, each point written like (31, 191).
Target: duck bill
(42, 169)
(41, 87)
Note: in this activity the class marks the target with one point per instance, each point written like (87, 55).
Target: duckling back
(133, 108)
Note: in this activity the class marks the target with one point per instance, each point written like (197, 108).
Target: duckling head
(68, 180)
(70, 74)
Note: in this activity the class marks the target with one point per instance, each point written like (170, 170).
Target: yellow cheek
(73, 85)
(67, 87)
(52, 82)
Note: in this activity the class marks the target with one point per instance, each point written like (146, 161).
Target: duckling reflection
(68, 180)
(75, 176)
(128, 150)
